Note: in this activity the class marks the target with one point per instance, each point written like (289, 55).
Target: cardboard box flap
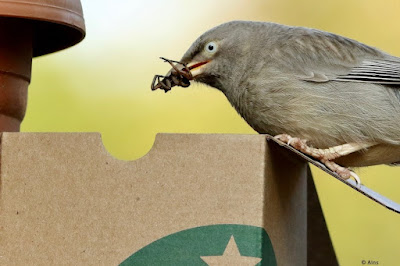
(386, 202)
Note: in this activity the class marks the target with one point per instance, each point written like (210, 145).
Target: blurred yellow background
(103, 84)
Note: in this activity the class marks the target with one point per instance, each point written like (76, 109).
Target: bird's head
(217, 58)
(217, 55)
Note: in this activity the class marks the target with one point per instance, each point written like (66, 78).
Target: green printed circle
(206, 244)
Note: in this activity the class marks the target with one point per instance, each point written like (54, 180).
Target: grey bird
(329, 96)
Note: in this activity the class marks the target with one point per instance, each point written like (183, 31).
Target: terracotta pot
(29, 29)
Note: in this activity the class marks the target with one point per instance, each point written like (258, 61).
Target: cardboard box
(192, 200)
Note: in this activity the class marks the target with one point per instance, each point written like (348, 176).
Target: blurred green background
(103, 84)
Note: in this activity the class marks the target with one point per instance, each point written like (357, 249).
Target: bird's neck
(235, 88)
(237, 95)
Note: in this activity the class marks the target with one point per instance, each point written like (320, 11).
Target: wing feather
(322, 57)
(374, 71)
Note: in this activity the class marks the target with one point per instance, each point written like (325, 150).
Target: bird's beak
(197, 68)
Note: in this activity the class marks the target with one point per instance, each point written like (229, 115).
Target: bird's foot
(326, 156)
(343, 172)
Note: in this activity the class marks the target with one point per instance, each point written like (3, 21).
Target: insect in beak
(179, 75)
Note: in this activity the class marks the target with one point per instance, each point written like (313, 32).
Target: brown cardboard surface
(65, 200)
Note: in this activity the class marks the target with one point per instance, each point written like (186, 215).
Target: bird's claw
(356, 178)
(326, 156)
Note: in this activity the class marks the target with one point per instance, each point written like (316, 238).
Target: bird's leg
(326, 156)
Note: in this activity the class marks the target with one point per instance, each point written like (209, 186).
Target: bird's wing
(323, 57)
(374, 71)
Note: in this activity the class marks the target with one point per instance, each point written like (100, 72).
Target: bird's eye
(211, 47)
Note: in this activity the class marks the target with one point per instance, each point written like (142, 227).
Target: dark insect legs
(176, 77)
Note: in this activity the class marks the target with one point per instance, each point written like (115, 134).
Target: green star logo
(223, 244)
